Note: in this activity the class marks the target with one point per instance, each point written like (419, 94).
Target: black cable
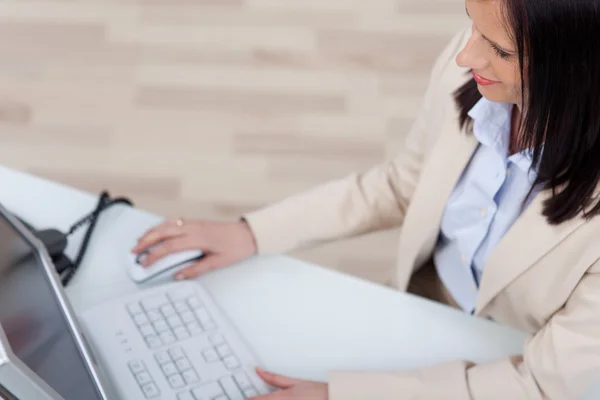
(104, 202)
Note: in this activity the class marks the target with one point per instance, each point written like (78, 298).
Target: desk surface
(300, 319)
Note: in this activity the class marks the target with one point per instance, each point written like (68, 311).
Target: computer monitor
(42, 352)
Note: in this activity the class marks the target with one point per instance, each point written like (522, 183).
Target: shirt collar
(491, 127)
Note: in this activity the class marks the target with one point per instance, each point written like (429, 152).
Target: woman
(495, 192)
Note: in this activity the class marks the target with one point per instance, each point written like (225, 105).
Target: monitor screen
(31, 316)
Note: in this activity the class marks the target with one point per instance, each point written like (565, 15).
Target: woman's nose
(472, 55)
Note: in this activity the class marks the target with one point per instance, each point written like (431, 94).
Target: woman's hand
(223, 243)
(291, 389)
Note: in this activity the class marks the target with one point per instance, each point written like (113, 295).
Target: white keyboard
(179, 372)
(164, 319)
(172, 342)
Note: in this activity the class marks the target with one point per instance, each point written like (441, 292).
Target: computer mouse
(167, 266)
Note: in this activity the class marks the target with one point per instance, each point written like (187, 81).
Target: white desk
(301, 319)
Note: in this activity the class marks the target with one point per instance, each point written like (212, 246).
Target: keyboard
(176, 345)
(167, 318)
(179, 372)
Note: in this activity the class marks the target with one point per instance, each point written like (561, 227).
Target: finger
(168, 247)
(163, 224)
(206, 264)
(280, 381)
(167, 228)
(157, 235)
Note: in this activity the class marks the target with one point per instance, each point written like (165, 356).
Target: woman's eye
(501, 53)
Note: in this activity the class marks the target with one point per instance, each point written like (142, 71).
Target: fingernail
(263, 371)
(179, 277)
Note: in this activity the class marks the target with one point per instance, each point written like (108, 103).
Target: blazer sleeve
(559, 362)
(360, 202)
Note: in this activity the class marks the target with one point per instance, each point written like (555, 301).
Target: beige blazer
(541, 279)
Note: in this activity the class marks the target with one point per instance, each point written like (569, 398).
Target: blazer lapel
(450, 157)
(529, 238)
(446, 162)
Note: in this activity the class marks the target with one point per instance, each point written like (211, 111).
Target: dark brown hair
(560, 119)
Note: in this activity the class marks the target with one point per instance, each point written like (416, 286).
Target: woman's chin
(495, 93)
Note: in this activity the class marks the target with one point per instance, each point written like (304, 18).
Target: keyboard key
(136, 366)
(167, 310)
(162, 357)
(250, 393)
(190, 376)
(147, 330)
(221, 397)
(168, 337)
(194, 302)
(208, 391)
(242, 380)
(180, 306)
(194, 328)
(223, 350)
(174, 321)
(209, 325)
(216, 339)
(181, 333)
(134, 308)
(176, 381)
(202, 315)
(140, 319)
(153, 342)
(169, 369)
(142, 378)
(231, 362)
(161, 326)
(231, 389)
(181, 293)
(183, 364)
(154, 302)
(185, 396)
(187, 316)
(150, 390)
(154, 316)
(176, 353)
(210, 355)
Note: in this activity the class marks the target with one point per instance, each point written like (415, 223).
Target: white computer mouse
(166, 266)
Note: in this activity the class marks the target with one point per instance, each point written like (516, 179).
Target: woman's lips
(482, 81)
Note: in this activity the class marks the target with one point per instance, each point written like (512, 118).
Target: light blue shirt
(484, 204)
